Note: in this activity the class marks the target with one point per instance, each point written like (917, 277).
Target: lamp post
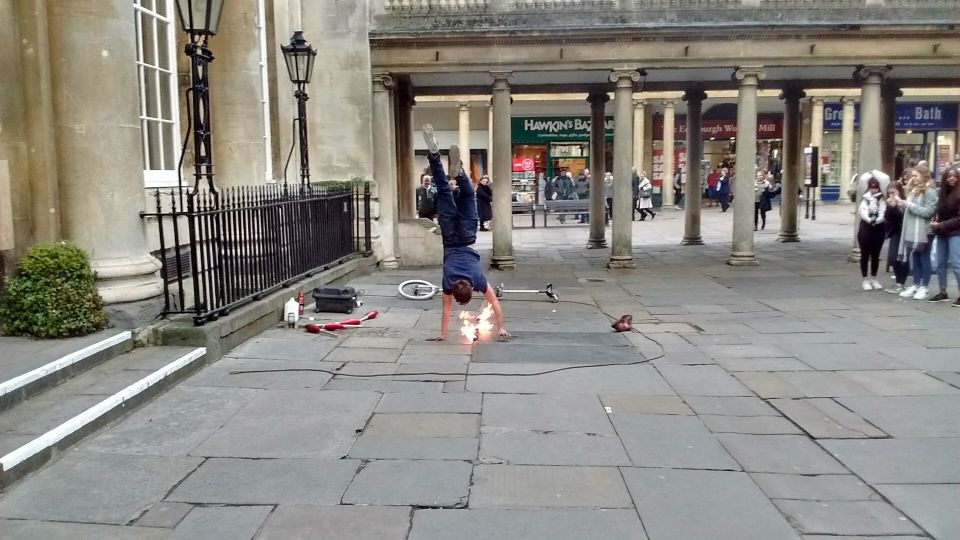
(299, 56)
(200, 20)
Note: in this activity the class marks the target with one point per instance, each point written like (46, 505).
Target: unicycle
(548, 290)
(417, 289)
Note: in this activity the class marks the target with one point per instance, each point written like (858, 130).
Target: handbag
(646, 193)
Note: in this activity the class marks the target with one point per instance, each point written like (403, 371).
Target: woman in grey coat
(918, 208)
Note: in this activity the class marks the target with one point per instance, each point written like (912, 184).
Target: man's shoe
(939, 297)
(652, 215)
(909, 291)
(432, 146)
(957, 303)
(455, 163)
(922, 294)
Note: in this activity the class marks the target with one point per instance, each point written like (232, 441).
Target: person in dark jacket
(426, 198)
(583, 191)
(946, 227)
(484, 202)
(893, 218)
(635, 188)
(566, 191)
(723, 189)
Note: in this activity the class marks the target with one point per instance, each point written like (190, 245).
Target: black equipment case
(335, 299)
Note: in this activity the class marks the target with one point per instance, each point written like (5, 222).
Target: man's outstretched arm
(491, 298)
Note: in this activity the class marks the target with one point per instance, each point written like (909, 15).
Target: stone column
(621, 254)
(871, 78)
(384, 170)
(464, 141)
(668, 129)
(101, 199)
(846, 143)
(502, 208)
(489, 167)
(816, 134)
(236, 100)
(742, 253)
(888, 128)
(598, 168)
(407, 180)
(791, 164)
(692, 192)
(639, 130)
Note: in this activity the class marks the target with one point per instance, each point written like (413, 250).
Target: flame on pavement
(473, 327)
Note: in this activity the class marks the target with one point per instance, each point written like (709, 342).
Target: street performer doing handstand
(457, 214)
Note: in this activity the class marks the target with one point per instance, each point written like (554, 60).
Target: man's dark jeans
(457, 212)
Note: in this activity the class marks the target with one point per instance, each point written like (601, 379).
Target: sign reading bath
(919, 116)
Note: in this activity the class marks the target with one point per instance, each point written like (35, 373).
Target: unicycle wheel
(417, 289)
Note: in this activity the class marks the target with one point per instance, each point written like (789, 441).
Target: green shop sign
(545, 129)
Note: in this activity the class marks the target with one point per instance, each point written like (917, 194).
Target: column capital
(668, 103)
(816, 101)
(694, 95)
(871, 74)
(846, 100)
(501, 76)
(463, 105)
(382, 82)
(749, 75)
(639, 103)
(624, 77)
(594, 97)
(792, 94)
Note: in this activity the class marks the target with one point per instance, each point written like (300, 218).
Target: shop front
(544, 146)
(925, 131)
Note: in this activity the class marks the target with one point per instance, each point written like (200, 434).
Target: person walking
(759, 187)
(635, 190)
(918, 208)
(893, 218)
(583, 191)
(770, 191)
(566, 191)
(723, 189)
(871, 233)
(608, 195)
(946, 227)
(484, 202)
(645, 204)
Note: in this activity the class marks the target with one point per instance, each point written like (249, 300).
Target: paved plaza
(767, 403)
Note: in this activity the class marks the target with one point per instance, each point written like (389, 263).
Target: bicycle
(420, 289)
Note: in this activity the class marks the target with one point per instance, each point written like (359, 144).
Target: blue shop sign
(919, 116)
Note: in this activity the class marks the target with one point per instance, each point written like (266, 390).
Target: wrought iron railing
(223, 249)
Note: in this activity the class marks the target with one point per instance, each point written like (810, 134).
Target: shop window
(156, 71)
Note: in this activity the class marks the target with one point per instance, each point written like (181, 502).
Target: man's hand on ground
(504, 335)
(438, 338)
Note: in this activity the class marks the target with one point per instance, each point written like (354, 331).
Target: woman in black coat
(484, 202)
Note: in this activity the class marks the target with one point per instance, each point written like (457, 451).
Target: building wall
(13, 139)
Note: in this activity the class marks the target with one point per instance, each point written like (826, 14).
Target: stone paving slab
(95, 488)
(526, 486)
(174, 424)
(933, 507)
(815, 384)
(898, 415)
(763, 364)
(423, 425)
(768, 385)
(671, 441)
(533, 448)
(846, 517)
(301, 522)
(634, 404)
(374, 447)
(945, 359)
(221, 522)
(546, 413)
(641, 379)
(702, 381)
(719, 505)
(490, 524)
(838, 356)
(288, 424)
(383, 385)
(900, 461)
(344, 355)
(730, 406)
(826, 487)
(284, 349)
(17, 529)
(787, 454)
(901, 383)
(411, 483)
(825, 419)
(758, 425)
(428, 403)
(219, 374)
(266, 481)
(164, 515)
(517, 352)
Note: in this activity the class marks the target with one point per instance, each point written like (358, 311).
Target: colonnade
(632, 138)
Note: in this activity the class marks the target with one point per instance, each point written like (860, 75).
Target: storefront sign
(767, 128)
(918, 116)
(524, 164)
(545, 129)
(656, 173)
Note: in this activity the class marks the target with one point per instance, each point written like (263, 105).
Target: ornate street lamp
(299, 56)
(200, 19)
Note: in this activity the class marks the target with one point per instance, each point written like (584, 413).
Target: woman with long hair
(893, 218)
(871, 233)
(946, 227)
(918, 207)
(484, 202)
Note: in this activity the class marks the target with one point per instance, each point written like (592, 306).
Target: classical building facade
(92, 112)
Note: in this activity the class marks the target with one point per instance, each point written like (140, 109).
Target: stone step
(31, 366)
(34, 430)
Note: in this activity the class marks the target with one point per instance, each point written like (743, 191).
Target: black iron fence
(223, 249)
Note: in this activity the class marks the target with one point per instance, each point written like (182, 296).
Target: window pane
(150, 90)
(166, 104)
(171, 146)
(163, 45)
(156, 153)
(147, 39)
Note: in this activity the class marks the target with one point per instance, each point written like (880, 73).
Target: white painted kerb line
(61, 363)
(58, 433)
